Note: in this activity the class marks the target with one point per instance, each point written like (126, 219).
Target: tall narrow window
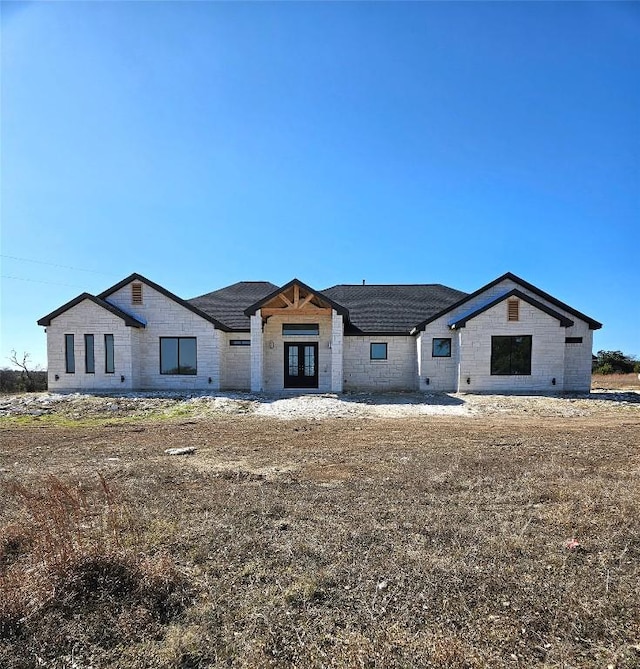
(89, 358)
(136, 293)
(513, 310)
(109, 358)
(69, 354)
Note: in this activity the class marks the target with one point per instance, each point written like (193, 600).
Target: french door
(300, 365)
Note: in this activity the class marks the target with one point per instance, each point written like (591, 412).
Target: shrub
(614, 362)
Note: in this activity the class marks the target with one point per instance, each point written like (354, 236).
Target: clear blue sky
(206, 143)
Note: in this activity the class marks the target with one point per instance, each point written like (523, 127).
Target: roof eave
(172, 296)
(461, 322)
(129, 320)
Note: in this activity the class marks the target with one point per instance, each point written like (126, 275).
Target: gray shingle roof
(391, 308)
(228, 304)
(372, 308)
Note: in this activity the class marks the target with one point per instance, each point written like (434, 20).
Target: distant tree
(24, 379)
(614, 362)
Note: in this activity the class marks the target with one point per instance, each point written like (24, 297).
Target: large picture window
(178, 355)
(511, 356)
(69, 354)
(109, 355)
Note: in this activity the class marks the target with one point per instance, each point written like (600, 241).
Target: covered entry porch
(296, 341)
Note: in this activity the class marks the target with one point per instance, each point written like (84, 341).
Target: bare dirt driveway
(331, 531)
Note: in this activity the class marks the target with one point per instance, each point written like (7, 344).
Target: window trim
(69, 354)
(433, 347)
(301, 329)
(109, 345)
(179, 373)
(511, 338)
(88, 348)
(386, 351)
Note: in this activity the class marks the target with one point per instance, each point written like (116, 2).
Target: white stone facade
(89, 318)
(469, 370)
(398, 372)
(344, 362)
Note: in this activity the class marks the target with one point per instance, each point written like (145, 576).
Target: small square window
(441, 347)
(378, 351)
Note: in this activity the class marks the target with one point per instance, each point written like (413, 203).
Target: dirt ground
(352, 537)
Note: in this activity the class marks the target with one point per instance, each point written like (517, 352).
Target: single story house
(507, 336)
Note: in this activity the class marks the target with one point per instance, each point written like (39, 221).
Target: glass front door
(301, 365)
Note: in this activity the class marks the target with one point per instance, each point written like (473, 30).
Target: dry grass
(72, 578)
(616, 381)
(426, 542)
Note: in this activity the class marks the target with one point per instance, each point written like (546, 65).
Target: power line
(51, 264)
(50, 283)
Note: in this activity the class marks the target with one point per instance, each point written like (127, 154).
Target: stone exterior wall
(273, 350)
(89, 318)
(343, 361)
(398, 372)
(547, 351)
(437, 374)
(166, 318)
(236, 362)
(445, 373)
(577, 359)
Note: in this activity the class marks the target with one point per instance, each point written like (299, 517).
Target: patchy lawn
(361, 541)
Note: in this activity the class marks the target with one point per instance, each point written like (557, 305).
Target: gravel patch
(75, 406)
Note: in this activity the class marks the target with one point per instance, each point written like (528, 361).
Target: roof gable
(127, 318)
(593, 324)
(296, 283)
(163, 291)
(462, 321)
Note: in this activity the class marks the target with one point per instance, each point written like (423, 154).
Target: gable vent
(513, 311)
(136, 293)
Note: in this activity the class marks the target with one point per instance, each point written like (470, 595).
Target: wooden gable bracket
(302, 305)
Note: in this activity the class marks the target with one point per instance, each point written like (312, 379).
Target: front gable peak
(295, 297)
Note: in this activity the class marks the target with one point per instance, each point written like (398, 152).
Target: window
(136, 293)
(69, 354)
(511, 355)
(573, 340)
(240, 342)
(89, 358)
(308, 329)
(178, 355)
(109, 357)
(441, 348)
(378, 351)
(513, 310)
